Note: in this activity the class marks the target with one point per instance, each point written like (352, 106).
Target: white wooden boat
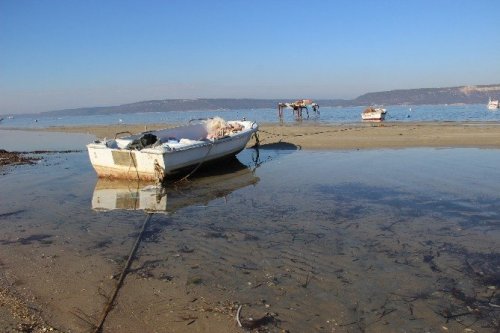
(373, 114)
(153, 155)
(493, 104)
(113, 194)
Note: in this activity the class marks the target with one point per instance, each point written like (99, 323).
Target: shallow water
(345, 241)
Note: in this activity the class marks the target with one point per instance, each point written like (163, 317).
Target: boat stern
(125, 163)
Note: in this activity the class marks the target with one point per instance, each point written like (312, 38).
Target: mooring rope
(257, 140)
(282, 135)
(306, 134)
(109, 305)
(199, 164)
(132, 161)
(159, 172)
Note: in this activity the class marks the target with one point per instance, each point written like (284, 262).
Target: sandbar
(314, 136)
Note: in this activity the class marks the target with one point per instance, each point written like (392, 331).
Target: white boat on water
(493, 104)
(373, 114)
(152, 155)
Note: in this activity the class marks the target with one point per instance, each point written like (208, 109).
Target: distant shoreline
(345, 136)
(460, 95)
(69, 113)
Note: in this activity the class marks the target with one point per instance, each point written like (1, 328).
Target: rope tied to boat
(257, 140)
(132, 162)
(292, 135)
(212, 144)
(109, 305)
(159, 172)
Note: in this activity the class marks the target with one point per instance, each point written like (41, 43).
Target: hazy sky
(57, 54)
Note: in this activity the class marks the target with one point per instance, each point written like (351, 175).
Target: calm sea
(477, 112)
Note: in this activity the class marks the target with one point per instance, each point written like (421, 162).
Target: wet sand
(347, 136)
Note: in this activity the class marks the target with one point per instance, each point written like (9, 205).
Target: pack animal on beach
(297, 107)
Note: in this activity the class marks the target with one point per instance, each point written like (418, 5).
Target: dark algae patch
(15, 158)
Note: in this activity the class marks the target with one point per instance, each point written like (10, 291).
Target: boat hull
(373, 116)
(493, 106)
(156, 163)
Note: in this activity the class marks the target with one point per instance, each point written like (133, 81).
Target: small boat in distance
(373, 114)
(152, 155)
(493, 104)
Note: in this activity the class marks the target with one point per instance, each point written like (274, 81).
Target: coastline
(345, 136)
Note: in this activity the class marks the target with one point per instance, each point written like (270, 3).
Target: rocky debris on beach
(9, 158)
(18, 314)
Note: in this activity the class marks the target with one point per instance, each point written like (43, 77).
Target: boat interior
(181, 136)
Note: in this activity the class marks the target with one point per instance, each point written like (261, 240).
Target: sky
(59, 54)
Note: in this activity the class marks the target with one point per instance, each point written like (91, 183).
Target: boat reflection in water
(202, 187)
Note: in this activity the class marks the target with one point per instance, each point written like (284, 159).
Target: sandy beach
(347, 136)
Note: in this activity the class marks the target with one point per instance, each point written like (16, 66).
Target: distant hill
(172, 105)
(452, 95)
